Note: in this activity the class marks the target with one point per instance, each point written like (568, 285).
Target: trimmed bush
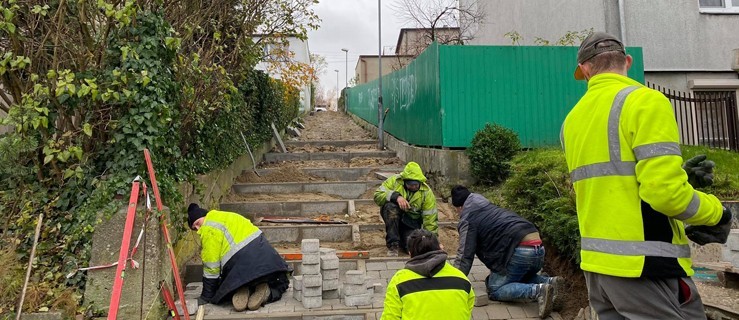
(490, 153)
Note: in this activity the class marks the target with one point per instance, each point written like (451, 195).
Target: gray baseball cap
(589, 49)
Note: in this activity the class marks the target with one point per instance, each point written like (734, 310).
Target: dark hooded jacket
(490, 232)
(429, 288)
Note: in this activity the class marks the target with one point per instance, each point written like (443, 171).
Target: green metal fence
(449, 92)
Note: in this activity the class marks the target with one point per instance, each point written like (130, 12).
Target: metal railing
(705, 118)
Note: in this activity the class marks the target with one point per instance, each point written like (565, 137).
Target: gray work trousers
(643, 298)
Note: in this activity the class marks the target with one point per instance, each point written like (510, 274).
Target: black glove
(700, 171)
(202, 301)
(711, 234)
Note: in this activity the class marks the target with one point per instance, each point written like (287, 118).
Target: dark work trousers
(615, 298)
(398, 225)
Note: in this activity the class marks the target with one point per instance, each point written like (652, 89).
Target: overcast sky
(350, 24)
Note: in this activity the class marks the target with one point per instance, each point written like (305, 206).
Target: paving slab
(329, 143)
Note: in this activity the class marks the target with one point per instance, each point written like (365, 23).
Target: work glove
(711, 234)
(700, 171)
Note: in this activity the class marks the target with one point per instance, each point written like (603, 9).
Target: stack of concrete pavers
(312, 286)
(192, 292)
(330, 273)
(355, 291)
(730, 251)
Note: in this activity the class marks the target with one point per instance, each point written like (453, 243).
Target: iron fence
(705, 118)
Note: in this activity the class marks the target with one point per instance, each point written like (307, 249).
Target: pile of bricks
(310, 288)
(356, 292)
(330, 273)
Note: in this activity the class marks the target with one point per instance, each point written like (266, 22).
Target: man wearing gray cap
(633, 195)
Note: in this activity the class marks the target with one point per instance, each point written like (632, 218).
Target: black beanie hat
(195, 212)
(459, 195)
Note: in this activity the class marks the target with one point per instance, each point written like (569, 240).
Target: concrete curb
(341, 156)
(346, 190)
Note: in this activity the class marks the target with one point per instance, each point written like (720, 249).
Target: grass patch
(726, 174)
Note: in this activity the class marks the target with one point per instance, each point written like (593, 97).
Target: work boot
(240, 298)
(259, 296)
(392, 251)
(557, 283)
(544, 299)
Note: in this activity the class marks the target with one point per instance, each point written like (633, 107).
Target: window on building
(719, 6)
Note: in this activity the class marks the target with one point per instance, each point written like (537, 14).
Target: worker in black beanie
(238, 261)
(509, 246)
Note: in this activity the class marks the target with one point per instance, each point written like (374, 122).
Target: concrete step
(337, 174)
(253, 210)
(332, 143)
(343, 189)
(341, 156)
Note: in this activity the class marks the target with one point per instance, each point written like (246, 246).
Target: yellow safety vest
(222, 235)
(448, 295)
(621, 145)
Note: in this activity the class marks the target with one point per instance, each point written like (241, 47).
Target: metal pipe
(622, 21)
(380, 131)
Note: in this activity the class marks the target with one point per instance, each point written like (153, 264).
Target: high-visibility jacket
(448, 295)
(234, 253)
(622, 151)
(422, 202)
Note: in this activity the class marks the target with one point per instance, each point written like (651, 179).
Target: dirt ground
(715, 294)
(278, 197)
(324, 126)
(374, 242)
(576, 293)
(354, 163)
(355, 148)
(284, 173)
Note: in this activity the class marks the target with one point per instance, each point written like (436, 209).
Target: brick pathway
(379, 271)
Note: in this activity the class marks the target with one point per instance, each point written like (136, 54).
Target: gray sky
(350, 24)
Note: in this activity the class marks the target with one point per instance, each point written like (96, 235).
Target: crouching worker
(509, 246)
(407, 203)
(428, 287)
(238, 262)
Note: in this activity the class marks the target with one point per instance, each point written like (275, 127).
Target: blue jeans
(518, 281)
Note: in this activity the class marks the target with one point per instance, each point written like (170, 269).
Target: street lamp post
(381, 145)
(346, 67)
(337, 89)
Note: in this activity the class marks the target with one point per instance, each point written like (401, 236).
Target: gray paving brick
(312, 292)
(330, 284)
(387, 274)
(297, 282)
(330, 274)
(355, 277)
(358, 300)
(531, 310)
(312, 280)
(310, 245)
(479, 314)
(331, 294)
(395, 265)
(310, 269)
(373, 274)
(354, 289)
(311, 258)
(327, 251)
(329, 263)
(298, 295)
(496, 311)
(516, 312)
(312, 302)
(479, 269)
(376, 266)
(280, 308)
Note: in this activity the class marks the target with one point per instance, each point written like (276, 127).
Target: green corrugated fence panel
(529, 89)
(449, 92)
(411, 95)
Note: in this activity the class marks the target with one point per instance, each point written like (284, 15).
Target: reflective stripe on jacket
(622, 151)
(448, 295)
(422, 202)
(223, 234)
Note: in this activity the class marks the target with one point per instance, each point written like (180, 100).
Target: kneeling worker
(238, 261)
(407, 203)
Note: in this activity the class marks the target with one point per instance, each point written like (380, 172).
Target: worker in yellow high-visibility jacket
(238, 261)
(632, 195)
